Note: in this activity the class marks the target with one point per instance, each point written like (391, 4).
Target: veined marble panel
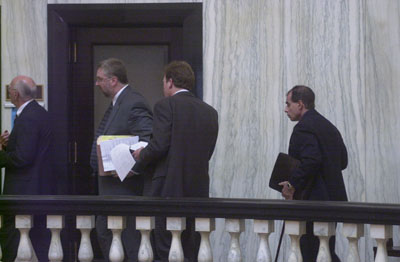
(254, 52)
(383, 93)
(382, 104)
(23, 44)
(242, 80)
(119, 1)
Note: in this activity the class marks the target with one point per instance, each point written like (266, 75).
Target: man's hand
(287, 190)
(4, 139)
(136, 153)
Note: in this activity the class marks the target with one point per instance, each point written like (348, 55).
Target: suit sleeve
(309, 154)
(161, 141)
(26, 138)
(344, 155)
(140, 122)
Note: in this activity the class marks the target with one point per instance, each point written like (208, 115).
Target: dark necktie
(99, 132)
(15, 119)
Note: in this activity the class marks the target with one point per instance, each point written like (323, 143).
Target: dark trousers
(40, 237)
(309, 245)
(132, 186)
(162, 237)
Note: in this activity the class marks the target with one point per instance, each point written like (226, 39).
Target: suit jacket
(131, 115)
(185, 131)
(27, 156)
(317, 143)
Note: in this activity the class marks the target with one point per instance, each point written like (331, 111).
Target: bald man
(26, 156)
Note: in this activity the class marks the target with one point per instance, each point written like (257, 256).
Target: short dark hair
(181, 74)
(303, 93)
(114, 67)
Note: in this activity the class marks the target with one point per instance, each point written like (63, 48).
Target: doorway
(144, 36)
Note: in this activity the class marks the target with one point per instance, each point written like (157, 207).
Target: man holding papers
(318, 145)
(185, 131)
(128, 114)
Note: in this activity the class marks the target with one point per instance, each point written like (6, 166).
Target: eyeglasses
(100, 79)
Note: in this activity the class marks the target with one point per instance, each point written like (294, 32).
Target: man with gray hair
(127, 114)
(25, 154)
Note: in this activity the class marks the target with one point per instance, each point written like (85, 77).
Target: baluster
(85, 224)
(176, 225)
(25, 250)
(145, 225)
(353, 232)
(295, 229)
(205, 226)
(116, 224)
(324, 231)
(55, 224)
(234, 227)
(263, 228)
(381, 233)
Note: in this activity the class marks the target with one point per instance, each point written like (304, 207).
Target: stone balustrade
(262, 214)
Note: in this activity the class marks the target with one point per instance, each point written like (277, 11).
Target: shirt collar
(19, 111)
(117, 95)
(180, 91)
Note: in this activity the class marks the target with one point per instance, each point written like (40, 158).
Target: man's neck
(21, 107)
(118, 93)
(303, 113)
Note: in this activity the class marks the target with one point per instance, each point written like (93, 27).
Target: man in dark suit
(185, 131)
(317, 143)
(25, 154)
(128, 114)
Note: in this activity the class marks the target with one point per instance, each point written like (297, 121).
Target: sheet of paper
(106, 147)
(122, 159)
(138, 145)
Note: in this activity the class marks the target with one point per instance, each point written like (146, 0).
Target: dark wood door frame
(64, 24)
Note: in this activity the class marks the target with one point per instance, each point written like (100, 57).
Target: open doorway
(144, 36)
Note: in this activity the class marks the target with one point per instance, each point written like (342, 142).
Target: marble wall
(254, 51)
(23, 46)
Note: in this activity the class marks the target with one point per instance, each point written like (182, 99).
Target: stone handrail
(353, 215)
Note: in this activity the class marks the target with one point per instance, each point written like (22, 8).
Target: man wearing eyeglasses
(127, 114)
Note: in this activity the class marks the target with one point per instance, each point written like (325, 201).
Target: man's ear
(170, 83)
(114, 80)
(301, 105)
(16, 94)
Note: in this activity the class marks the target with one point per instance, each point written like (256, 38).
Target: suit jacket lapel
(115, 109)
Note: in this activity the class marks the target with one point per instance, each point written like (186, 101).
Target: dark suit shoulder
(189, 98)
(315, 122)
(34, 112)
(131, 97)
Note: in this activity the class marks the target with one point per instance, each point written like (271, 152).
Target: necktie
(99, 132)
(15, 119)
